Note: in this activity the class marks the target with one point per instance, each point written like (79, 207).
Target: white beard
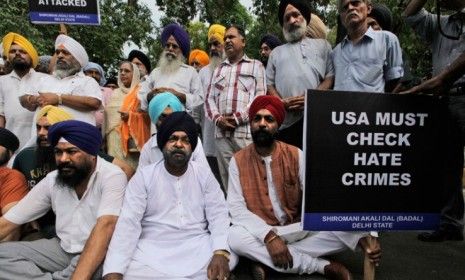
(169, 65)
(214, 62)
(296, 34)
(66, 71)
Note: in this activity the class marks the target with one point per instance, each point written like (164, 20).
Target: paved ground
(404, 257)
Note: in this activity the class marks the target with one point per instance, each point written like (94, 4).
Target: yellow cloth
(217, 31)
(201, 56)
(54, 114)
(14, 38)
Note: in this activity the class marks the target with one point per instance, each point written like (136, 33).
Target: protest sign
(65, 11)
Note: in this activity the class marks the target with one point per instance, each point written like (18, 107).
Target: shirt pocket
(371, 71)
(246, 83)
(219, 83)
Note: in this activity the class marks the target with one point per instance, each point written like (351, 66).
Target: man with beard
(365, 60)
(86, 194)
(302, 63)
(264, 199)
(69, 88)
(234, 85)
(23, 79)
(174, 222)
(268, 43)
(172, 74)
(160, 107)
(12, 183)
(216, 52)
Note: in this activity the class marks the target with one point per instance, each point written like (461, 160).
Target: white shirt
(185, 80)
(75, 218)
(19, 120)
(208, 127)
(171, 224)
(240, 214)
(150, 153)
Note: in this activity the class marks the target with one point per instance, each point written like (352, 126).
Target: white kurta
(19, 120)
(171, 224)
(208, 127)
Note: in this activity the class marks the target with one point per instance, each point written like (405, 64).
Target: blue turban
(159, 103)
(177, 121)
(93, 65)
(271, 41)
(180, 35)
(81, 134)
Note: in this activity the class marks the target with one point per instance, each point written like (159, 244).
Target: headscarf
(138, 125)
(93, 65)
(8, 140)
(301, 5)
(142, 57)
(217, 31)
(54, 114)
(271, 41)
(81, 134)
(74, 47)
(201, 56)
(272, 104)
(14, 38)
(160, 102)
(179, 34)
(177, 121)
(382, 15)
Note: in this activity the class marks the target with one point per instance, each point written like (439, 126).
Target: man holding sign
(265, 198)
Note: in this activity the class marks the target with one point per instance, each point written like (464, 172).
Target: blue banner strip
(370, 221)
(51, 17)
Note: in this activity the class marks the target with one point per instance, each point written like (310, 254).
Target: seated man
(174, 222)
(12, 183)
(86, 194)
(161, 106)
(264, 198)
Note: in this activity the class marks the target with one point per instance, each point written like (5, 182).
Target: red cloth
(271, 103)
(13, 186)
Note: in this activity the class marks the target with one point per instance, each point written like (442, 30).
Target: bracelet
(60, 101)
(271, 239)
(222, 253)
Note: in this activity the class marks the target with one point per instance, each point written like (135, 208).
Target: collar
(244, 58)
(370, 33)
(14, 75)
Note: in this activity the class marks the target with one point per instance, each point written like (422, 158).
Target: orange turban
(14, 38)
(200, 56)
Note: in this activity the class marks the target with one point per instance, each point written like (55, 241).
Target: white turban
(73, 46)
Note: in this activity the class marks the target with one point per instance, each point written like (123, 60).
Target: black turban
(8, 140)
(302, 5)
(271, 40)
(142, 57)
(382, 15)
(177, 121)
(81, 134)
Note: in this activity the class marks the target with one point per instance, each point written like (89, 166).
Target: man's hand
(227, 123)
(372, 248)
(434, 85)
(294, 103)
(28, 101)
(113, 276)
(218, 269)
(47, 98)
(279, 253)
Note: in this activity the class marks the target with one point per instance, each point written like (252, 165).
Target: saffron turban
(271, 41)
(177, 121)
(54, 114)
(272, 104)
(81, 134)
(217, 31)
(142, 57)
(179, 34)
(14, 38)
(93, 65)
(73, 46)
(382, 15)
(8, 140)
(201, 56)
(160, 102)
(301, 5)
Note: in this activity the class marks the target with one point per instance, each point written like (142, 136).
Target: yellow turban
(217, 31)
(201, 56)
(14, 38)
(54, 114)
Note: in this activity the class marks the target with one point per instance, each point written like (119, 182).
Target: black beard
(263, 138)
(176, 162)
(4, 158)
(45, 156)
(20, 66)
(264, 61)
(75, 178)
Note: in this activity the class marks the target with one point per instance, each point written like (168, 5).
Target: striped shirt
(231, 91)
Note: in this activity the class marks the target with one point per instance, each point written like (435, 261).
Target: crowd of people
(176, 172)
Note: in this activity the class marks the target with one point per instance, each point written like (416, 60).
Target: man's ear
(369, 8)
